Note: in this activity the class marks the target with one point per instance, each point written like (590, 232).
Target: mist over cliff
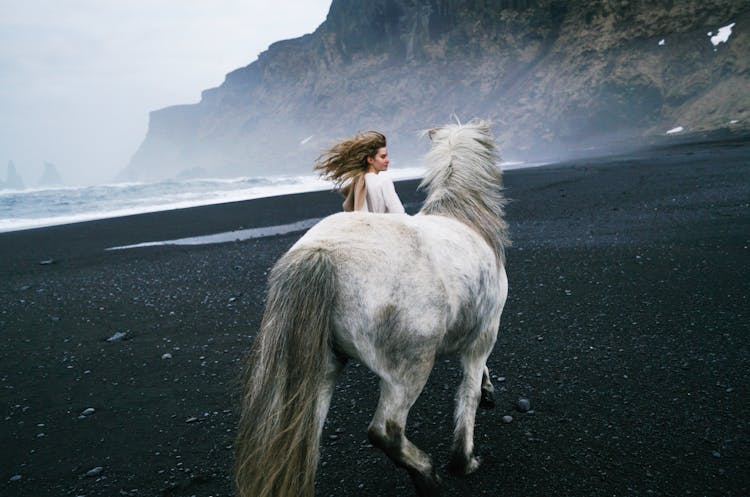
(556, 77)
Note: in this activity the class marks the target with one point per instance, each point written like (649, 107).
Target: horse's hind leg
(488, 390)
(334, 366)
(386, 430)
(463, 461)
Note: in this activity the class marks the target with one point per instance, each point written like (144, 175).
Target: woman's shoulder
(377, 179)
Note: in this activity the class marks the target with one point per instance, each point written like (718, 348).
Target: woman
(356, 164)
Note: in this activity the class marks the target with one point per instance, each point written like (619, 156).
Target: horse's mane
(463, 181)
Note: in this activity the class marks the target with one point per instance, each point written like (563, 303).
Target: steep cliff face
(553, 75)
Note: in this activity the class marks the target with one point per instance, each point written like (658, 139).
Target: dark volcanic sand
(626, 328)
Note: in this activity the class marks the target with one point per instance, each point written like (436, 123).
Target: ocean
(35, 208)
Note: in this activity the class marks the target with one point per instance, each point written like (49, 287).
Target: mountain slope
(555, 77)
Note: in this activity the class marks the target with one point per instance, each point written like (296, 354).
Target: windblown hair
(463, 181)
(276, 451)
(347, 159)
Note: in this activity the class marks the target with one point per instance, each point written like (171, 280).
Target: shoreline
(666, 146)
(654, 147)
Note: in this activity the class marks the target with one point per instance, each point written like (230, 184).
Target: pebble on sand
(523, 405)
(94, 472)
(88, 411)
(166, 356)
(507, 419)
(15, 478)
(120, 335)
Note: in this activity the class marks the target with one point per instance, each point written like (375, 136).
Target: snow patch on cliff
(722, 36)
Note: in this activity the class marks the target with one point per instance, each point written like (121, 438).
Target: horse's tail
(278, 437)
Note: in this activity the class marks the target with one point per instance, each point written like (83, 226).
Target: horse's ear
(431, 133)
(485, 125)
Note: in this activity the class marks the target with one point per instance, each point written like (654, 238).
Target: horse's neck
(483, 215)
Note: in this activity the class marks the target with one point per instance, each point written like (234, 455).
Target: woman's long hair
(348, 159)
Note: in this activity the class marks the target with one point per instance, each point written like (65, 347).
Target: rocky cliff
(554, 76)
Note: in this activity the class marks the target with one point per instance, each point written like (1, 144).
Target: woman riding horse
(356, 164)
(434, 284)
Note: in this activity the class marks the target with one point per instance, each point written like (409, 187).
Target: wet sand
(626, 328)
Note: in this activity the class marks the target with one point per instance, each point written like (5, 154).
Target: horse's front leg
(470, 392)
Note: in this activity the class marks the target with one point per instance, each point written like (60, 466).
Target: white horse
(394, 292)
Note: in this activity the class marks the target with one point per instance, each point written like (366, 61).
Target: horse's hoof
(461, 466)
(427, 486)
(487, 400)
(474, 464)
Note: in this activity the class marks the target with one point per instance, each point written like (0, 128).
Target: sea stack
(50, 176)
(14, 180)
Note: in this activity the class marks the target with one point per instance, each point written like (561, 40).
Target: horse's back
(419, 278)
(389, 250)
(379, 257)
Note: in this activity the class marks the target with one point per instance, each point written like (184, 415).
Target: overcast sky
(79, 77)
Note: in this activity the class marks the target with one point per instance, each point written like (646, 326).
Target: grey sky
(79, 77)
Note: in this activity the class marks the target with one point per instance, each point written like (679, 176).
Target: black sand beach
(626, 328)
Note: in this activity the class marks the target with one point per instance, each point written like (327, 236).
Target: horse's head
(467, 150)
